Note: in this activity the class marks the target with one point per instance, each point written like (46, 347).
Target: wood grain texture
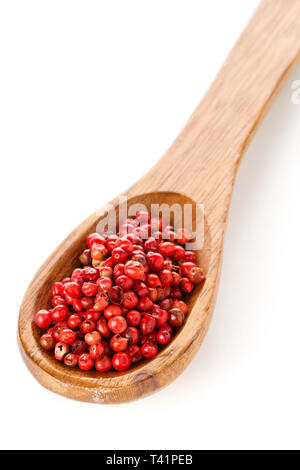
(200, 167)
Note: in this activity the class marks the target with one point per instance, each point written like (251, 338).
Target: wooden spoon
(200, 167)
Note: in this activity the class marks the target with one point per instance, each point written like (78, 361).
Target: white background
(91, 95)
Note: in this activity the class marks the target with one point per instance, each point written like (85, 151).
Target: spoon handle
(218, 132)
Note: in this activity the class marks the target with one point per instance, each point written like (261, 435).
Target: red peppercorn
(43, 318)
(102, 301)
(96, 351)
(176, 278)
(145, 231)
(176, 317)
(134, 353)
(73, 290)
(166, 249)
(186, 285)
(149, 350)
(153, 294)
(98, 252)
(119, 255)
(124, 282)
(119, 270)
(89, 273)
(134, 269)
(166, 304)
(71, 360)
(74, 321)
(125, 244)
(145, 304)
(181, 305)
(112, 237)
(133, 317)
(77, 277)
(116, 295)
(77, 305)
(160, 294)
(67, 336)
(157, 235)
(176, 293)
(89, 289)
(112, 310)
(95, 238)
(102, 327)
(69, 300)
(87, 326)
(117, 324)
(179, 253)
(58, 300)
(92, 315)
(196, 275)
(103, 364)
(161, 317)
(151, 244)
(47, 342)
(139, 257)
(146, 271)
(78, 347)
(147, 324)
(118, 343)
(168, 264)
(57, 289)
(60, 313)
(107, 349)
(140, 288)
(167, 291)
(149, 338)
(86, 303)
(61, 349)
(124, 311)
(130, 300)
(85, 361)
(166, 277)
(190, 256)
(153, 280)
(105, 283)
(111, 242)
(57, 328)
(92, 338)
(132, 334)
(121, 361)
(76, 272)
(163, 336)
(155, 261)
(105, 271)
(133, 238)
(186, 267)
(108, 262)
(85, 257)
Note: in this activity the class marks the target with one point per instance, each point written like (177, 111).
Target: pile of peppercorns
(126, 301)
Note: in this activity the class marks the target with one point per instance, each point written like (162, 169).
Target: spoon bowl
(199, 168)
(143, 377)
